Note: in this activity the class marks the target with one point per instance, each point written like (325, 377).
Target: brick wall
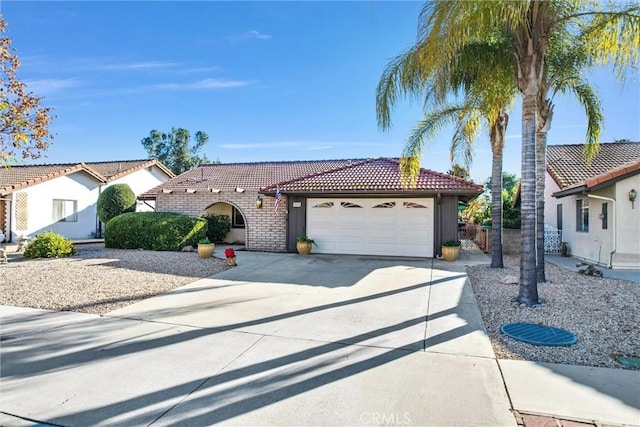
(264, 231)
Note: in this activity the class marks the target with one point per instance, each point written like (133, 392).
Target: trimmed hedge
(49, 245)
(218, 227)
(157, 231)
(115, 200)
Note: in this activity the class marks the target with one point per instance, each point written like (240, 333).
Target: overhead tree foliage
(24, 124)
(484, 71)
(459, 171)
(510, 214)
(173, 148)
(607, 34)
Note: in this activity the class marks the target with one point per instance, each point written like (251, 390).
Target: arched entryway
(238, 233)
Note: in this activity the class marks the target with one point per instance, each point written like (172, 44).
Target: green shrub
(158, 231)
(115, 200)
(218, 227)
(49, 245)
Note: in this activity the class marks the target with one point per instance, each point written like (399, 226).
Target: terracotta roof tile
(16, 177)
(374, 175)
(347, 175)
(568, 167)
(249, 176)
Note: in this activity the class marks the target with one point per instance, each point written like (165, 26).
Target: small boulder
(510, 280)
(189, 249)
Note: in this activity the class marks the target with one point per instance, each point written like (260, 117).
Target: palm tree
(607, 36)
(484, 72)
(565, 62)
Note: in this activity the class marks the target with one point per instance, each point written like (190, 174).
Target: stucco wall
(264, 230)
(142, 180)
(628, 225)
(76, 186)
(550, 202)
(597, 245)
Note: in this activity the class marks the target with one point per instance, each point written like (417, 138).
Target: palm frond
(428, 127)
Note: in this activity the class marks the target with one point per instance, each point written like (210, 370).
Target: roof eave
(80, 167)
(372, 192)
(570, 191)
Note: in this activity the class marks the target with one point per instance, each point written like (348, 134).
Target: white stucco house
(594, 204)
(63, 197)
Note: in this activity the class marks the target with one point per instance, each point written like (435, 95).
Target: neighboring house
(63, 197)
(591, 202)
(346, 206)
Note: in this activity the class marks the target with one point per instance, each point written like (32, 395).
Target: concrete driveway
(279, 340)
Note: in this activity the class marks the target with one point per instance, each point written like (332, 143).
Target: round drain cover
(538, 335)
(632, 362)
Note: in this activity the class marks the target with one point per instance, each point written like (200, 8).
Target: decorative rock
(510, 280)
(189, 249)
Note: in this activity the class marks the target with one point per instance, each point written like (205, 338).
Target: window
(582, 215)
(605, 216)
(323, 205)
(413, 205)
(559, 216)
(237, 220)
(349, 205)
(65, 210)
(385, 205)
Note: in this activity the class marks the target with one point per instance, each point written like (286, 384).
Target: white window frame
(64, 210)
(582, 215)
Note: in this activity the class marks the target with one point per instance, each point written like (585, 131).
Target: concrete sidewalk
(570, 263)
(286, 340)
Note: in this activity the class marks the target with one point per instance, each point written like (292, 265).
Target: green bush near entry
(217, 227)
(115, 200)
(156, 231)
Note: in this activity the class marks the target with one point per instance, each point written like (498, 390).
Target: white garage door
(397, 227)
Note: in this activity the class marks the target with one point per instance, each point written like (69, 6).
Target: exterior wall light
(259, 202)
(632, 196)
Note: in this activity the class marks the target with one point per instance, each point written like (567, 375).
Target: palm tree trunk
(497, 144)
(528, 292)
(541, 150)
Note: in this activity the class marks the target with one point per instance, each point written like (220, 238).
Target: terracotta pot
(450, 253)
(304, 248)
(205, 250)
(231, 260)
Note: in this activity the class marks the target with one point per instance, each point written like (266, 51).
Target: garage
(372, 226)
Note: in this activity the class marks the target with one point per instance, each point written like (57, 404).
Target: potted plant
(206, 248)
(450, 250)
(303, 245)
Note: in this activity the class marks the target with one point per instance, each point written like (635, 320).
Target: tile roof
(349, 175)
(568, 167)
(374, 176)
(14, 178)
(116, 169)
(249, 176)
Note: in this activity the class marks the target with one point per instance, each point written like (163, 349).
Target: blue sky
(266, 81)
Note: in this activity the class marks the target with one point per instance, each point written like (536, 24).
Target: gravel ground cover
(98, 280)
(603, 313)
